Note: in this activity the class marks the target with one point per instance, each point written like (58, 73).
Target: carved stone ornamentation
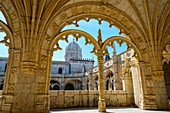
(157, 75)
(148, 77)
(10, 88)
(43, 59)
(29, 68)
(41, 88)
(86, 9)
(150, 90)
(166, 54)
(74, 11)
(143, 51)
(42, 99)
(43, 72)
(63, 17)
(48, 38)
(54, 26)
(13, 74)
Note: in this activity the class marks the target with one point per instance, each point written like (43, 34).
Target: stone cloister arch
(14, 44)
(47, 23)
(126, 26)
(99, 50)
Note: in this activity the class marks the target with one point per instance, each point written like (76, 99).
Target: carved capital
(14, 51)
(29, 68)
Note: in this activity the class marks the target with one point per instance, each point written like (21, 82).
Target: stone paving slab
(109, 110)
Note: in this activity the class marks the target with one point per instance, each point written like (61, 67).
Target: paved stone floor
(109, 110)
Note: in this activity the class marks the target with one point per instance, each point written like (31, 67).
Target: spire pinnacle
(114, 49)
(99, 37)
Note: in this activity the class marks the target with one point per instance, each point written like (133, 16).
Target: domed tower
(73, 51)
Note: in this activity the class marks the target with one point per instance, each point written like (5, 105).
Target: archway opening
(4, 47)
(114, 57)
(54, 85)
(69, 86)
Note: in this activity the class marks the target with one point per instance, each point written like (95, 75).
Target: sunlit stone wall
(62, 99)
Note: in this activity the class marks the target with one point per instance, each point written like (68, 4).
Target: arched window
(69, 86)
(107, 85)
(54, 85)
(60, 70)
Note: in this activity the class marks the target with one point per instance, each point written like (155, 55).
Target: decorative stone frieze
(29, 68)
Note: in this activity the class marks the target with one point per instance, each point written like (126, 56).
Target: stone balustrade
(62, 99)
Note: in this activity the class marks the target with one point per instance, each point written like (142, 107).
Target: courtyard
(109, 110)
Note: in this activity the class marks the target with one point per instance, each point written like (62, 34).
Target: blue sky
(90, 27)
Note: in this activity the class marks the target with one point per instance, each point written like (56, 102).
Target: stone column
(117, 85)
(160, 89)
(90, 79)
(11, 75)
(101, 103)
(127, 82)
(63, 81)
(147, 99)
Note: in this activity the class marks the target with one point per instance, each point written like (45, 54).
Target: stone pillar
(136, 80)
(63, 81)
(11, 75)
(90, 79)
(101, 103)
(127, 78)
(147, 97)
(160, 89)
(31, 91)
(117, 85)
(127, 82)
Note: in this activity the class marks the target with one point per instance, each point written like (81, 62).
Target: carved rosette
(157, 75)
(29, 68)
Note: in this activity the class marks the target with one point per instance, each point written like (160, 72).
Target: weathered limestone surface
(65, 99)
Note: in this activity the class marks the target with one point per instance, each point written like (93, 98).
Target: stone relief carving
(29, 68)
(148, 77)
(166, 53)
(158, 75)
(41, 87)
(13, 74)
(10, 88)
(43, 59)
(43, 72)
(54, 26)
